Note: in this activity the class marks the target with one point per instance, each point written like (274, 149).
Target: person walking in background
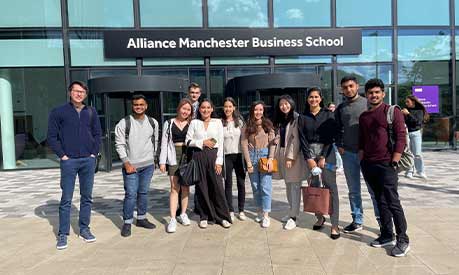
(232, 125)
(290, 160)
(347, 140)
(74, 135)
(379, 165)
(173, 153)
(136, 140)
(206, 135)
(339, 161)
(415, 116)
(317, 132)
(257, 142)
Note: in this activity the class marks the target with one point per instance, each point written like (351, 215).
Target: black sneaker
(126, 230)
(353, 227)
(145, 224)
(400, 249)
(383, 242)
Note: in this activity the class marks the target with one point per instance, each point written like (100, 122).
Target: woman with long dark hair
(173, 152)
(232, 125)
(292, 167)
(317, 130)
(415, 116)
(205, 134)
(257, 142)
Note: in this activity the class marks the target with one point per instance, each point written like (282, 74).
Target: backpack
(127, 130)
(407, 158)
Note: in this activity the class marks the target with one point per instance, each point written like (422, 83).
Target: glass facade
(405, 43)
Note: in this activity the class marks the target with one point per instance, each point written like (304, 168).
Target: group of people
(302, 147)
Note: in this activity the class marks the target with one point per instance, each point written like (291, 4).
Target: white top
(197, 134)
(232, 137)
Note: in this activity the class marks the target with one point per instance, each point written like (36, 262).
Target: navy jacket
(74, 135)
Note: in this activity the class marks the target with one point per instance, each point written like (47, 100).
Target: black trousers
(383, 179)
(234, 161)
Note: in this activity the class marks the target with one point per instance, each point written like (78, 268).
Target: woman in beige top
(257, 141)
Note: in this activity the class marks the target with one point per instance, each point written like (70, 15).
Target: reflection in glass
(238, 13)
(171, 13)
(346, 11)
(303, 59)
(309, 13)
(376, 47)
(423, 12)
(423, 45)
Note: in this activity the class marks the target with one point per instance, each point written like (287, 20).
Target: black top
(414, 119)
(282, 132)
(321, 128)
(177, 134)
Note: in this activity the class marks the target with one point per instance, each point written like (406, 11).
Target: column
(7, 125)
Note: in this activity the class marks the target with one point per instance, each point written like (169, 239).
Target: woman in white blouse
(205, 134)
(232, 125)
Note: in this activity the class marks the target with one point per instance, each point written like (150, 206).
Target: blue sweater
(74, 135)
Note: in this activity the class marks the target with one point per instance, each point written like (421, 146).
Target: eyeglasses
(79, 91)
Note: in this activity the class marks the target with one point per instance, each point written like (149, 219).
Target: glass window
(423, 12)
(239, 60)
(366, 72)
(376, 47)
(90, 52)
(424, 45)
(217, 88)
(238, 13)
(34, 93)
(302, 59)
(101, 13)
(294, 13)
(172, 61)
(457, 44)
(243, 71)
(171, 13)
(26, 13)
(355, 13)
(456, 13)
(31, 52)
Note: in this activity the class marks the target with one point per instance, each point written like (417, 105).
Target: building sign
(428, 95)
(247, 42)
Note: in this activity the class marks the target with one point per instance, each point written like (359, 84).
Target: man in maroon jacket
(379, 164)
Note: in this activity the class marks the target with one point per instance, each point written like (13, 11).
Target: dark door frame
(106, 86)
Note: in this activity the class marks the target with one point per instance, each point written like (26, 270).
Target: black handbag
(188, 171)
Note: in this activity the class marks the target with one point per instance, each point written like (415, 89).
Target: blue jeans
(262, 186)
(136, 186)
(416, 149)
(351, 165)
(84, 168)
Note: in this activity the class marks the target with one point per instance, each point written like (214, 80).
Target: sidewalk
(28, 220)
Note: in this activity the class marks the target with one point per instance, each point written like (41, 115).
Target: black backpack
(127, 130)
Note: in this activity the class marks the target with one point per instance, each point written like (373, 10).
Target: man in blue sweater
(74, 135)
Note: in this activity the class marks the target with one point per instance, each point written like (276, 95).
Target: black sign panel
(246, 42)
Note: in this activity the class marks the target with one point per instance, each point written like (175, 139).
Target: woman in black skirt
(205, 134)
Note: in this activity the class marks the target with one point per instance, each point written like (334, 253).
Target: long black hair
(279, 116)
(236, 115)
(314, 89)
(212, 115)
(419, 106)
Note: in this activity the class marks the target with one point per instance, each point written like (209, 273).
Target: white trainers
(184, 220)
(266, 222)
(232, 216)
(409, 175)
(422, 175)
(172, 226)
(285, 218)
(203, 224)
(242, 216)
(290, 224)
(226, 224)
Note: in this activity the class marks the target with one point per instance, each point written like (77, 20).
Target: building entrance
(111, 96)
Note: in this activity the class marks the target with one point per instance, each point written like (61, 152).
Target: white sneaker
(172, 226)
(258, 218)
(226, 224)
(266, 222)
(232, 216)
(203, 224)
(184, 220)
(285, 218)
(242, 216)
(422, 175)
(290, 224)
(409, 175)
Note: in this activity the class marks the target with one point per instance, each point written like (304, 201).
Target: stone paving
(28, 218)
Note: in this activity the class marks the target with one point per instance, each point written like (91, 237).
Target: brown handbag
(316, 199)
(263, 166)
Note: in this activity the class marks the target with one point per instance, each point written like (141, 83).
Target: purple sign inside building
(428, 95)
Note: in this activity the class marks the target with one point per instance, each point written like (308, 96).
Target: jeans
(351, 165)
(84, 168)
(262, 186)
(136, 186)
(384, 180)
(416, 149)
